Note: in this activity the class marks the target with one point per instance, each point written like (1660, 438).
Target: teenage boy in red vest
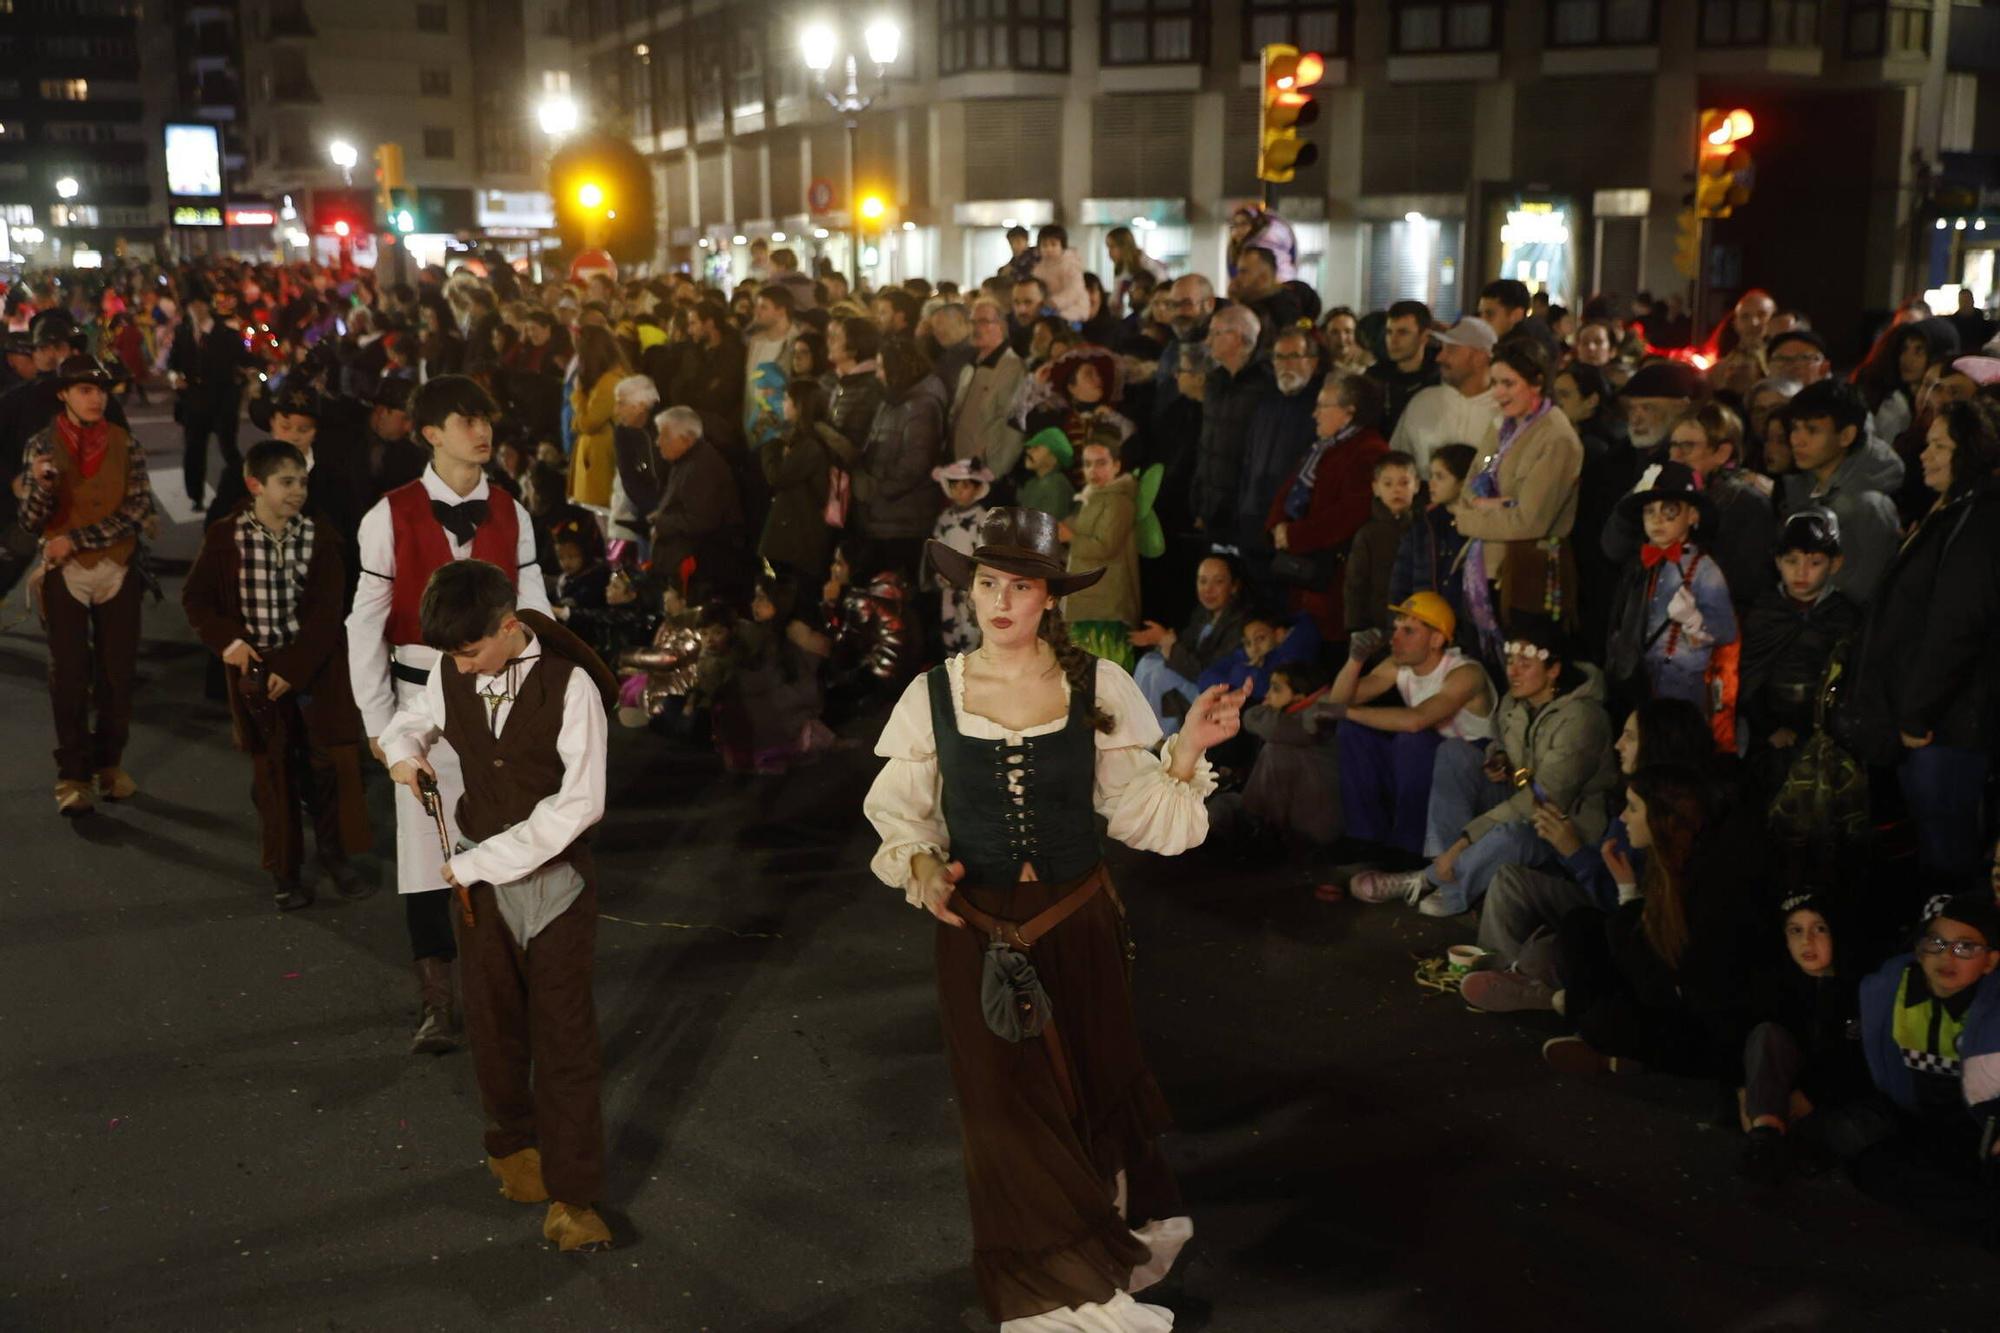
(450, 513)
(524, 704)
(84, 490)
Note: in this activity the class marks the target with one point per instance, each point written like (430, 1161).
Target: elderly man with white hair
(640, 479)
(1238, 379)
(701, 510)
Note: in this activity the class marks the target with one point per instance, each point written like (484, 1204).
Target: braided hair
(1077, 664)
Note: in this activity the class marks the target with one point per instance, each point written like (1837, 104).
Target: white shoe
(1381, 886)
(1437, 904)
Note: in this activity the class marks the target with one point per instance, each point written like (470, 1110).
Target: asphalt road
(210, 1121)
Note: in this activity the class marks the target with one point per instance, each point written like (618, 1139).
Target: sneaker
(290, 895)
(1381, 886)
(1574, 1055)
(1440, 904)
(1765, 1159)
(1498, 992)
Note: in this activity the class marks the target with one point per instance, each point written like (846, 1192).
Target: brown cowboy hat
(1017, 541)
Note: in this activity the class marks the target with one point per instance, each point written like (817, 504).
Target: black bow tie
(460, 520)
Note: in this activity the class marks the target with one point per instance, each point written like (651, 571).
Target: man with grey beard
(1654, 399)
(1281, 430)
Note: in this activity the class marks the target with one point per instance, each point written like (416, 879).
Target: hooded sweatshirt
(1567, 743)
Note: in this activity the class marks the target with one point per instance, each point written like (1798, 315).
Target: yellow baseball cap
(1430, 609)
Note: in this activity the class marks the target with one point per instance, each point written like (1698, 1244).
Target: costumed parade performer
(450, 513)
(999, 762)
(525, 704)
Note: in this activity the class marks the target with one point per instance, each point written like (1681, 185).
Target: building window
(1434, 27)
(433, 18)
(1604, 22)
(1759, 23)
(747, 81)
(711, 51)
(668, 91)
(434, 82)
(65, 90)
(1888, 28)
(1310, 25)
(1003, 34)
(438, 142)
(1155, 32)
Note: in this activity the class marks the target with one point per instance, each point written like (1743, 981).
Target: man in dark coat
(701, 509)
(1229, 396)
(711, 376)
(207, 363)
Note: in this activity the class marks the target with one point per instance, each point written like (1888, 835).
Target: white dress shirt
(558, 819)
(368, 652)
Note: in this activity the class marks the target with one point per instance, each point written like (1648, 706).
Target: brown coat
(1104, 540)
(1539, 475)
(315, 664)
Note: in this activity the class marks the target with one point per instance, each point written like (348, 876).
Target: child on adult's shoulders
(1371, 556)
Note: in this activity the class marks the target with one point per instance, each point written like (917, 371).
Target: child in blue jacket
(1429, 553)
(1688, 614)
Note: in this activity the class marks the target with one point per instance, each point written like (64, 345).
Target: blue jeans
(1156, 680)
(1460, 792)
(1385, 784)
(1945, 788)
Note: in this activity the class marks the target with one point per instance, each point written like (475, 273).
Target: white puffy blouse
(1144, 806)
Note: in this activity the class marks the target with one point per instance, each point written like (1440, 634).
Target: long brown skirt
(1046, 1234)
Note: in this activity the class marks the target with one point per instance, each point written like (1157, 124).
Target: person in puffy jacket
(896, 503)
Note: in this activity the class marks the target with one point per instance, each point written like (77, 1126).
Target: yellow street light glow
(590, 194)
(873, 208)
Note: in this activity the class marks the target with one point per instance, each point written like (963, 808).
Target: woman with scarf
(1519, 506)
(1324, 503)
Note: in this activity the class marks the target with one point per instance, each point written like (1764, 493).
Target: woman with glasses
(1927, 700)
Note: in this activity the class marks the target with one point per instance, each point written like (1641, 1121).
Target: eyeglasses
(1963, 950)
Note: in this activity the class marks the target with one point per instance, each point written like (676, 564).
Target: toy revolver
(427, 791)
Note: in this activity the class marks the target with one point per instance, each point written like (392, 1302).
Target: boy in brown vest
(265, 595)
(83, 488)
(524, 704)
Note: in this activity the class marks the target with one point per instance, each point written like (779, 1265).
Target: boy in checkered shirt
(266, 594)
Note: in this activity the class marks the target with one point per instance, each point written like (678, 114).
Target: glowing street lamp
(819, 46)
(344, 156)
(590, 194)
(558, 116)
(67, 188)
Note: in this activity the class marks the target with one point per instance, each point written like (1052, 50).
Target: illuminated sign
(187, 215)
(262, 215)
(194, 161)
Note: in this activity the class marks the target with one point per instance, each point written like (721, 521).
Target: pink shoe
(1382, 886)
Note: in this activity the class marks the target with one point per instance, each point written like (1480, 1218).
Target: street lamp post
(820, 44)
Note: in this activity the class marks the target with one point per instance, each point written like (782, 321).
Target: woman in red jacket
(1323, 504)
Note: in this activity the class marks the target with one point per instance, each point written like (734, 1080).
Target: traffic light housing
(388, 177)
(1687, 243)
(1725, 173)
(603, 193)
(343, 213)
(1287, 107)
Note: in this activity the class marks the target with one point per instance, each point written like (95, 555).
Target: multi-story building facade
(1459, 140)
(453, 83)
(81, 158)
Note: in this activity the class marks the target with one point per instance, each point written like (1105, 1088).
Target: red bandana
(1651, 555)
(87, 443)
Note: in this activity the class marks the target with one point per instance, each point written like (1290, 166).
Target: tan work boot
(115, 784)
(574, 1227)
(520, 1175)
(434, 1035)
(73, 798)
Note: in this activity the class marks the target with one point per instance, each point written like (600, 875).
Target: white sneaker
(1381, 886)
(1437, 904)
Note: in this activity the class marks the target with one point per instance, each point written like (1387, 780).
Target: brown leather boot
(434, 1032)
(575, 1227)
(520, 1175)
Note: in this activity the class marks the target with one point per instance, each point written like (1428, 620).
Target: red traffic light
(1720, 129)
(341, 227)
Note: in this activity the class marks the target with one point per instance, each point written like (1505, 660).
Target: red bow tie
(1650, 555)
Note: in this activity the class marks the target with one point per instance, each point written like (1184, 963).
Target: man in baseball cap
(1460, 410)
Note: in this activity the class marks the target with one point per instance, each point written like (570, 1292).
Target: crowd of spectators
(1673, 668)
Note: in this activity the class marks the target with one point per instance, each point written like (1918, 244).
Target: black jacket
(1226, 408)
(1786, 647)
(1933, 639)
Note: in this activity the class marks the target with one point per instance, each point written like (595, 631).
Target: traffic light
(1725, 174)
(343, 213)
(603, 193)
(1287, 108)
(873, 209)
(590, 195)
(1687, 243)
(388, 176)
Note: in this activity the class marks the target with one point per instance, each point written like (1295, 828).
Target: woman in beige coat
(1520, 504)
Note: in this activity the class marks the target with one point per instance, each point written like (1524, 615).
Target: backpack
(1825, 790)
